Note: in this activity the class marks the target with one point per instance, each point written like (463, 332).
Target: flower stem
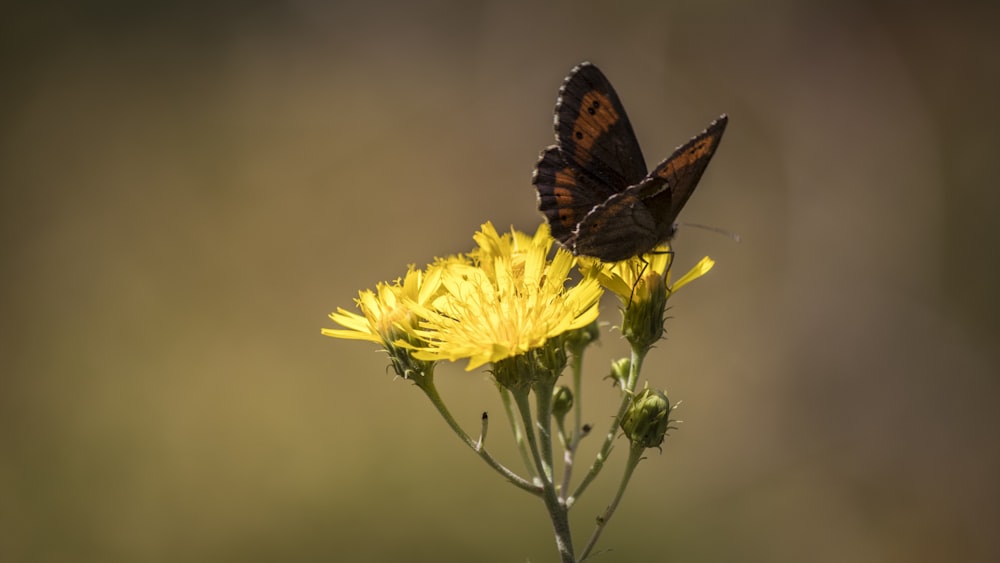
(429, 389)
(515, 428)
(543, 414)
(627, 392)
(576, 364)
(634, 457)
(558, 511)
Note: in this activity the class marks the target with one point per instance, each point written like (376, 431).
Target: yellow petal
(700, 269)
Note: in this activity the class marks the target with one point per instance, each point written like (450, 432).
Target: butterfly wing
(617, 229)
(592, 185)
(667, 188)
(593, 132)
(565, 195)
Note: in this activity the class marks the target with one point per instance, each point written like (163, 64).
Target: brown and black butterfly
(592, 184)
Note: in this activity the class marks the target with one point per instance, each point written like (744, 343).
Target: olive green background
(187, 191)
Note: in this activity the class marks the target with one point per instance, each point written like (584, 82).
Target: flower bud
(577, 340)
(562, 401)
(646, 420)
(619, 371)
(642, 325)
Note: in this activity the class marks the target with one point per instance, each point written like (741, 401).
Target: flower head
(510, 300)
(562, 401)
(638, 277)
(643, 285)
(387, 317)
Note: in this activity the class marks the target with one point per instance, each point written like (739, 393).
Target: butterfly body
(593, 186)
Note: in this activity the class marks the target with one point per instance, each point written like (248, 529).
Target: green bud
(577, 340)
(562, 401)
(646, 420)
(619, 371)
(643, 322)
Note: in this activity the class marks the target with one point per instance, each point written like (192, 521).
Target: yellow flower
(387, 317)
(637, 277)
(509, 301)
(643, 285)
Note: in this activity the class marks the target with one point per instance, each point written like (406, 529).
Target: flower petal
(700, 269)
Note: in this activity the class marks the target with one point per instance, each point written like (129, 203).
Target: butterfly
(592, 184)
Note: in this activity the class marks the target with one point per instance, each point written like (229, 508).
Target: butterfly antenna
(730, 234)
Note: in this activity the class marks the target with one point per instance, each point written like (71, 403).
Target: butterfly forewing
(565, 196)
(593, 130)
(671, 183)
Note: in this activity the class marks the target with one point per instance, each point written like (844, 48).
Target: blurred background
(188, 190)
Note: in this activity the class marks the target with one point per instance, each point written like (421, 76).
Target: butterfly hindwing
(593, 130)
(626, 227)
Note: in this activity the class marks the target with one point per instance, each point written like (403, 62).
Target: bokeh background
(188, 189)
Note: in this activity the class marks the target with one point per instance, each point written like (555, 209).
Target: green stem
(634, 457)
(627, 392)
(576, 364)
(515, 428)
(558, 511)
(543, 411)
(429, 389)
